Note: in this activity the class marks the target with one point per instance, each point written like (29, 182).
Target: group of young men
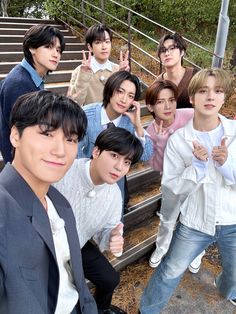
(60, 204)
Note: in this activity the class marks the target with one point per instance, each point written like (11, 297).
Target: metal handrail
(130, 29)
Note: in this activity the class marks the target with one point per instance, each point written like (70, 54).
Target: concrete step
(19, 38)
(6, 67)
(26, 20)
(6, 47)
(18, 56)
(21, 31)
(26, 24)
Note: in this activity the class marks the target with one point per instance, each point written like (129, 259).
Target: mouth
(121, 106)
(209, 106)
(54, 62)
(114, 176)
(54, 163)
(167, 113)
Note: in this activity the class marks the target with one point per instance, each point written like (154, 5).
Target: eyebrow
(130, 93)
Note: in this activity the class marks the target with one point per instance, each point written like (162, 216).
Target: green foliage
(25, 8)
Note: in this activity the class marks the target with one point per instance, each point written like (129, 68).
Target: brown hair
(154, 90)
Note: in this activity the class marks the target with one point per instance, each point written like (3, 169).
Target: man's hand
(116, 239)
(200, 152)
(86, 63)
(124, 61)
(135, 117)
(220, 153)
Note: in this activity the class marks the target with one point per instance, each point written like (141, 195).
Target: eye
(97, 42)
(160, 102)
(107, 41)
(114, 155)
(131, 96)
(128, 162)
(72, 139)
(172, 100)
(219, 90)
(202, 90)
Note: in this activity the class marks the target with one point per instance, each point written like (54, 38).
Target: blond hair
(199, 80)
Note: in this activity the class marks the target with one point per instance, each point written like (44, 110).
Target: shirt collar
(105, 119)
(98, 66)
(38, 81)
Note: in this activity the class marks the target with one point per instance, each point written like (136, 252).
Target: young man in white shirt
(200, 169)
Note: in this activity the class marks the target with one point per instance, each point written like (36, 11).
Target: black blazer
(29, 275)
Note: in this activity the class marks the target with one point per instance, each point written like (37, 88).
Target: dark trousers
(100, 272)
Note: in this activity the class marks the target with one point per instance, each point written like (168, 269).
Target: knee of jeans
(172, 271)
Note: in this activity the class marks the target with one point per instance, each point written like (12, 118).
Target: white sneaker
(194, 267)
(155, 259)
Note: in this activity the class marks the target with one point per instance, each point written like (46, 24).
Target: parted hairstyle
(40, 35)
(178, 41)
(113, 84)
(97, 32)
(49, 110)
(120, 141)
(199, 79)
(154, 90)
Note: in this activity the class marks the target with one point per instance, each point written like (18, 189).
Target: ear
(150, 108)
(96, 152)
(191, 99)
(14, 137)
(182, 53)
(90, 48)
(32, 50)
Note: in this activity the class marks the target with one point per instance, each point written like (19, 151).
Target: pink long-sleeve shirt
(182, 116)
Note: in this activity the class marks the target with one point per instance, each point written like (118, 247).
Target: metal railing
(86, 13)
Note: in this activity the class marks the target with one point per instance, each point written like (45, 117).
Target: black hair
(97, 32)
(113, 84)
(178, 40)
(40, 35)
(51, 110)
(120, 141)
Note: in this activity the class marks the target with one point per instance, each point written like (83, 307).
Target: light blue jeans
(186, 244)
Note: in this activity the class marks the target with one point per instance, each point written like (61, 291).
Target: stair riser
(25, 21)
(70, 65)
(19, 39)
(18, 56)
(27, 25)
(18, 47)
(13, 32)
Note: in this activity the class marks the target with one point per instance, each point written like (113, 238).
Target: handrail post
(129, 37)
(102, 8)
(221, 36)
(83, 10)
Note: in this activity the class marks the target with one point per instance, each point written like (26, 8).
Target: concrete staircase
(141, 222)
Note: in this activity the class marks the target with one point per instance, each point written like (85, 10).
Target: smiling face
(101, 48)
(46, 57)
(42, 157)
(108, 166)
(208, 99)
(170, 54)
(165, 107)
(121, 100)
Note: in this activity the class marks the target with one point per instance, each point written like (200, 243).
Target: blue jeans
(187, 244)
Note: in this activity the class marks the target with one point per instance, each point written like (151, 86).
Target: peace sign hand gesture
(86, 63)
(124, 61)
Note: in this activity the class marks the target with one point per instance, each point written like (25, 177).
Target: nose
(167, 105)
(55, 52)
(210, 94)
(58, 147)
(119, 164)
(124, 97)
